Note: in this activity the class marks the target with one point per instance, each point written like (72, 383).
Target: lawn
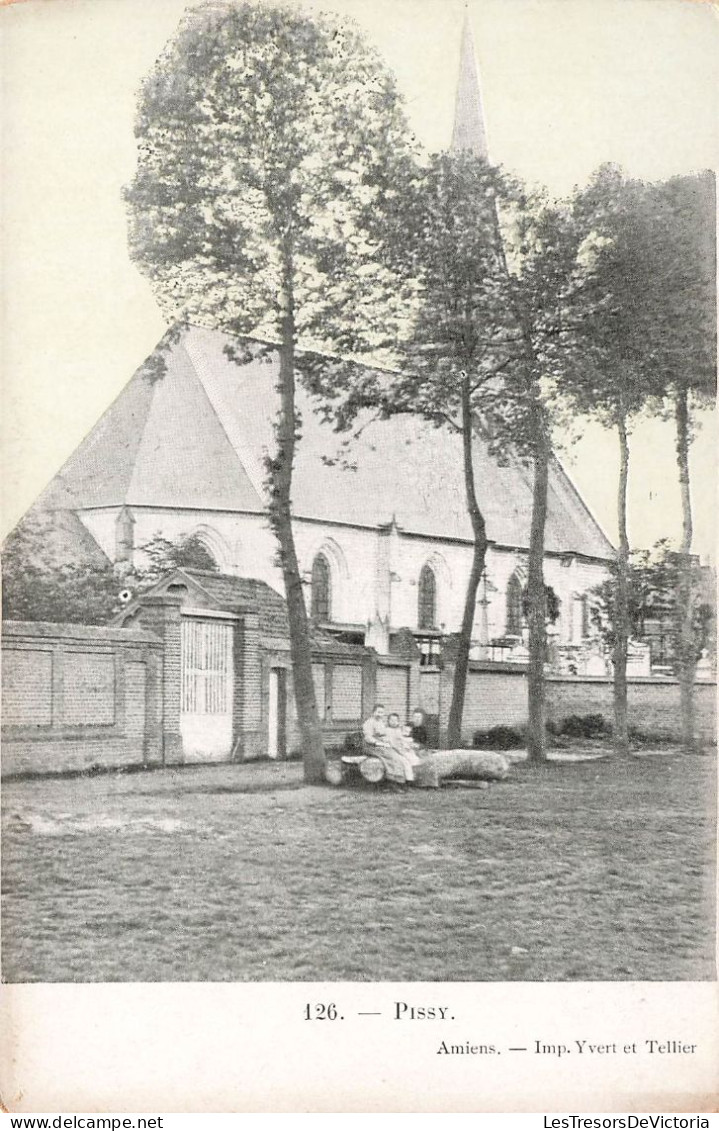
(592, 870)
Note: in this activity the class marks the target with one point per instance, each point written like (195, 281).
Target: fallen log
(434, 769)
(371, 769)
(334, 772)
(339, 770)
(473, 765)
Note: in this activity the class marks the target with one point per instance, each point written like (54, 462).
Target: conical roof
(198, 436)
(469, 132)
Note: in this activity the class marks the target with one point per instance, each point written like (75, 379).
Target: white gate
(207, 689)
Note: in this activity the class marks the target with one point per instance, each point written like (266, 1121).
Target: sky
(567, 85)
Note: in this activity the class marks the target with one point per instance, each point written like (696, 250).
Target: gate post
(161, 614)
(251, 688)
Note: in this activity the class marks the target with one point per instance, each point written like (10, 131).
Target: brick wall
(77, 696)
(345, 689)
(653, 704)
(346, 692)
(497, 695)
(392, 687)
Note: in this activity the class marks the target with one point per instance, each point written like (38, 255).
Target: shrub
(584, 726)
(642, 737)
(498, 738)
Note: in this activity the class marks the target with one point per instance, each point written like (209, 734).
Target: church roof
(197, 437)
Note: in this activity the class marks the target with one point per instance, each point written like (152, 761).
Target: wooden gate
(206, 689)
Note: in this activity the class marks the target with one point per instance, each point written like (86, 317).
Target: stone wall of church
(377, 572)
(240, 543)
(373, 572)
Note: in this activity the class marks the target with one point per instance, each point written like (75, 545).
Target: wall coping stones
(48, 630)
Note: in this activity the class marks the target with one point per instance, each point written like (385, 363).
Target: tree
(160, 556)
(540, 241)
(43, 582)
(682, 290)
(445, 244)
(655, 605)
(643, 313)
(50, 577)
(269, 144)
(614, 383)
(489, 270)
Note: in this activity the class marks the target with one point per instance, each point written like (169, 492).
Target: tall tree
(614, 383)
(493, 272)
(540, 244)
(645, 325)
(682, 290)
(457, 339)
(269, 144)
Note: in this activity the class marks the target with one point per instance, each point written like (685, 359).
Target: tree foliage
(491, 270)
(648, 321)
(259, 127)
(40, 585)
(447, 248)
(654, 598)
(270, 145)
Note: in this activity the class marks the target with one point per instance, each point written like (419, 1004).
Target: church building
(382, 532)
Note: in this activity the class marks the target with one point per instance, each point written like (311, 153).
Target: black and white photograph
(359, 526)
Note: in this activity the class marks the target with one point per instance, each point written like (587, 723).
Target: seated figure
(418, 728)
(400, 739)
(377, 743)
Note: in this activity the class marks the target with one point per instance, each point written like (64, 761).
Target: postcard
(359, 591)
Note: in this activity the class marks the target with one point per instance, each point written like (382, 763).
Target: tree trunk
(685, 628)
(621, 602)
(479, 554)
(536, 596)
(281, 522)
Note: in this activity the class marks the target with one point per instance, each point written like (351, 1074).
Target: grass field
(592, 871)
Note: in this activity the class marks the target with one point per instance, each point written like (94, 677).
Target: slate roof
(197, 437)
(225, 591)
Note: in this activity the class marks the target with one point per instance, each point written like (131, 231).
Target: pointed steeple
(469, 131)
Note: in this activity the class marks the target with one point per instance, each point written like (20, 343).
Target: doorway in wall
(277, 714)
(206, 689)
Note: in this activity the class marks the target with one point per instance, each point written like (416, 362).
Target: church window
(514, 607)
(321, 589)
(427, 600)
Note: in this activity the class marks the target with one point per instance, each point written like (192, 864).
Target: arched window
(427, 599)
(514, 607)
(321, 589)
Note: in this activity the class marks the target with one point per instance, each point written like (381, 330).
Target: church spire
(469, 131)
